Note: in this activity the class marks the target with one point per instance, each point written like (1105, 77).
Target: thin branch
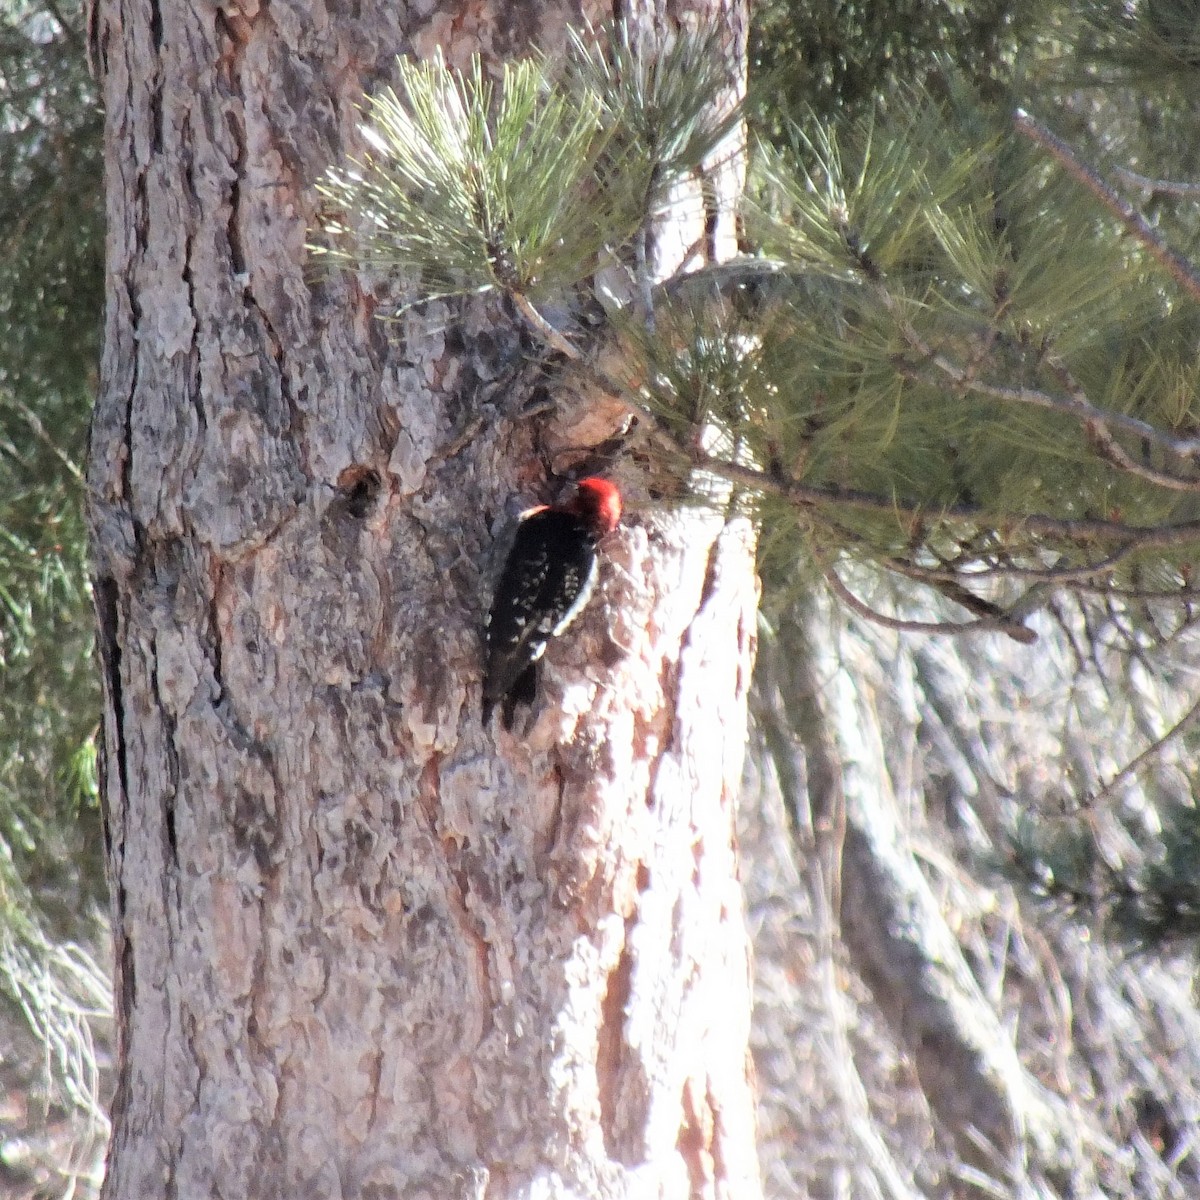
(1095, 577)
(724, 277)
(1134, 593)
(39, 431)
(1109, 447)
(1077, 407)
(1118, 457)
(1016, 631)
(1127, 772)
(1116, 454)
(1129, 537)
(1083, 573)
(975, 571)
(543, 328)
(1179, 267)
(1169, 187)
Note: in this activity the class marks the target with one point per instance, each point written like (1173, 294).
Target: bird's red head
(598, 502)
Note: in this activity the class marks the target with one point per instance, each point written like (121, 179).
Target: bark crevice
(610, 1057)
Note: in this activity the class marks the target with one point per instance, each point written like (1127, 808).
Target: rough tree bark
(364, 946)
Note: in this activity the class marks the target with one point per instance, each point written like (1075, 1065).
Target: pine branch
(754, 272)
(1075, 404)
(1002, 623)
(1179, 267)
(1116, 454)
(1129, 538)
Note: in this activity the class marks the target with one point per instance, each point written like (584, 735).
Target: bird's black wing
(546, 579)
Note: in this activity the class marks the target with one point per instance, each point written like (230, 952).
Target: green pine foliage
(1148, 897)
(955, 371)
(978, 365)
(477, 185)
(964, 371)
(527, 183)
(51, 209)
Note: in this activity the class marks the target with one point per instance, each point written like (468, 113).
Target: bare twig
(1127, 772)
(1095, 577)
(1169, 187)
(543, 328)
(1001, 624)
(1179, 267)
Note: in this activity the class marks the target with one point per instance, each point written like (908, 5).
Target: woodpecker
(547, 579)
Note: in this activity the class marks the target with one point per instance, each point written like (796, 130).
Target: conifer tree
(950, 377)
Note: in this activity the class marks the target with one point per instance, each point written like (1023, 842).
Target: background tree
(51, 871)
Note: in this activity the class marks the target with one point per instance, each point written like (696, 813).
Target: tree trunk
(364, 945)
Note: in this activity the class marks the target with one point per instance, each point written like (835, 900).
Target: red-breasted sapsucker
(547, 579)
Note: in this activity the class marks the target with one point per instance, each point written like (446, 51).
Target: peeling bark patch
(710, 573)
(233, 32)
(610, 1044)
(720, 1167)
(696, 1139)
